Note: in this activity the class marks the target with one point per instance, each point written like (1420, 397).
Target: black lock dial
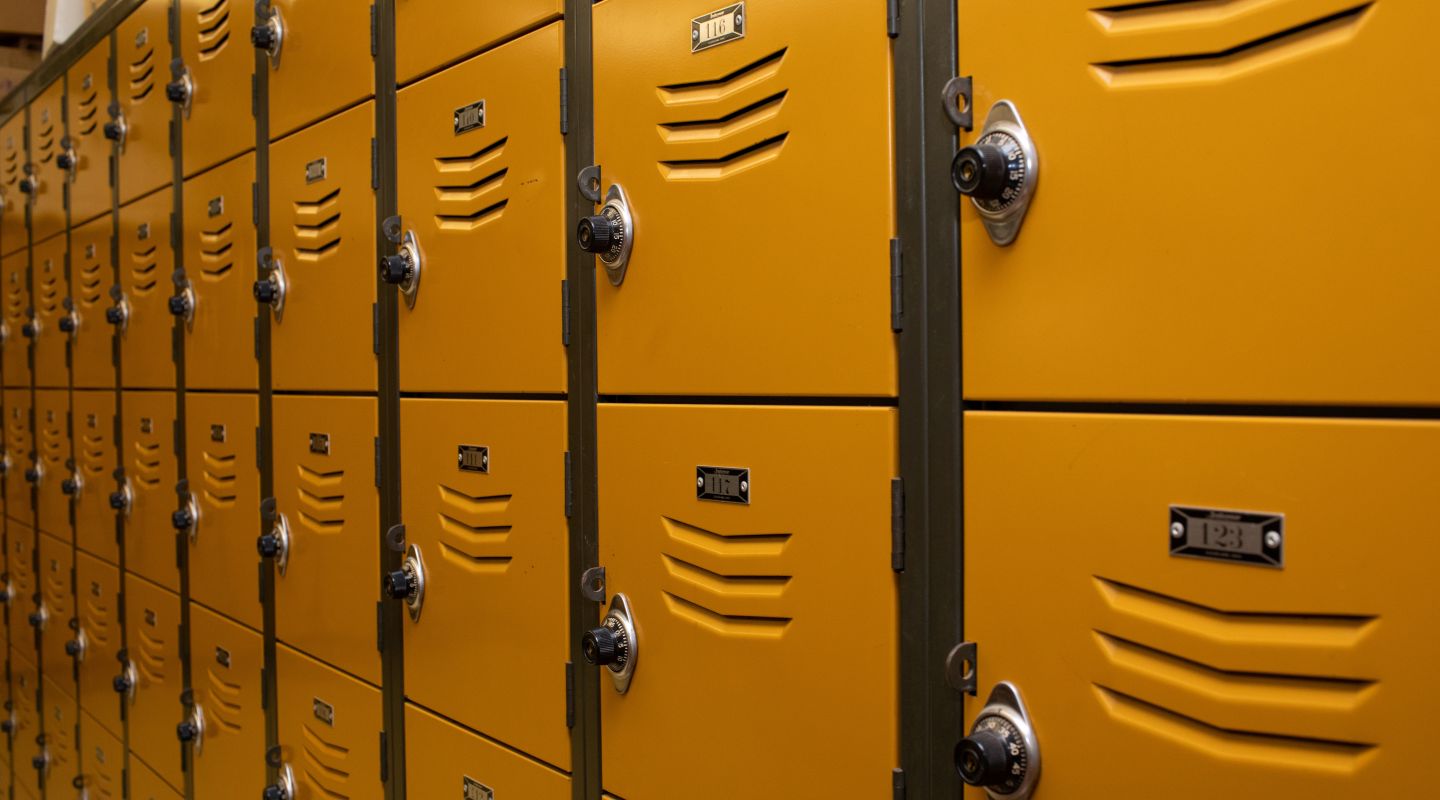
(993, 756)
(992, 171)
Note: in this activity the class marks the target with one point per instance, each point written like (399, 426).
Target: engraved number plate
(723, 484)
(1245, 537)
(717, 28)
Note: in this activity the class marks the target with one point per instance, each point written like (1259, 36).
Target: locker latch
(30, 184)
(65, 160)
(1001, 754)
(999, 172)
(192, 729)
(183, 304)
(403, 268)
(180, 90)
(125, 682)
(71, 486)
(118, 314)
(271, 289)
(408, 582)
(186, 519)
(284, 787)
(70, 322)
(276, 544)
(614, 645)
(123, 498)
(75, 648)
(269, 31)
(116, 129)
(610, 234)
(40, 617)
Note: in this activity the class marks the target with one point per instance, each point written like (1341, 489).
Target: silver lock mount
(1001, 753)
(999, 172)
(610, 234)
(615, 644)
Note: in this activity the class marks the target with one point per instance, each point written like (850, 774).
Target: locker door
(321, 61)
(102, 761)
(753, 548)
(92, 275)
(431, 33)
(219, 258)
(24, 591)
(323, 227)
(328, 730)
(51, 290)
(56, 611)
(140, 118)
(20, 450)
(229, 752)
(225, 488)
(16, 346)
(329, 509)
(52, 406)
(1273, 668)
(746, 136)
(95, 462)
(148, 428)
(482, 191)
(87, 98)
(142, 313)
(13, 236)
(61, 719)
(97, 585)
(1319, 294)
(441, 757)
(485, 509)
(216, 77)
(146, 784)
(25, 742)
(46, 179)
(152, 620)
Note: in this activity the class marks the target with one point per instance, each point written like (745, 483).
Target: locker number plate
(717, 28)
(475, 790)
(473, 458)
(723, 484)
(1244, 537)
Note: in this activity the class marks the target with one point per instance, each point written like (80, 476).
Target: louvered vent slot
(1192, 674)
(64, 742)
(92, 454)
(142, 75)
(470, 188)
(15, 301)
(52, 445)
(97, 621)
(475, 530)
(50, 291)
(724, 126)
(223, 701)
(144, 270)
(147, 465)
(216, 258)
(727, 582)
(45, 143)
(151, 662)
(92, 284)
(219, 471)
(87, 114)
(321, 498)
(323, 767)
(214, 29)
(317, 227)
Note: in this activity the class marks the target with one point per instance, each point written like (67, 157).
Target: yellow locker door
(92, 276)
(51, 290)
(218, 307)
(146, 783)
(1235, 598)
(431, 33)
(228, 720)
(1137, 275)
(87, 158)
(319, 60)
(329, 731)
(701, 133)
(16, 345)
(147, 492)
(25, 743)
(61, 719)
(140, 118)
(97, 639)
(24, 590)
(324, 539)
(102, 761)
(484, 501)
(752, 548)
(141, 312)
(52, 408)
(95, 463)
(150, 677)
(213, 84)
(322, 234)
(56, 611)
(223, 508)
(482, 193)
(46, 182)
(441, 756)
(20, 452)
(13, 235)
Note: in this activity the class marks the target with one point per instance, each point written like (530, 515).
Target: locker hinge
(384, 748)
(892, 18)
(897, 287)
(897, 524)
(564, 101)
(569, 694)
(565, 313)
(374, 164)
(380, 626)
(377, 462)
(375, 329)
(374, 37)
(171, 134)
(897, 784)
(569, 487)
(254, 95)
(255, 332)
(254, 203)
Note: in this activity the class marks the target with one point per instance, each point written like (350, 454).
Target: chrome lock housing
(123, 498)
(276, 544)
(272, 288)
(181, 90)
(403, 268)
(269, 31)
(408, 582)
(116, 129)
(75, 648)
(1001, 754)
(610, 234)
(615, 644)
(187, 518)
(284, 786)
(183, 304)
(999, 172)
(192, 730)
(126, 681)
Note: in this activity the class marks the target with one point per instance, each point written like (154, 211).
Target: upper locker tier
(319, 58)
(211, 81)
(85, 154)
(764, 126)
(432, 33)
(44, 182)
(13, 236)
(1164, 259)
(139, 118)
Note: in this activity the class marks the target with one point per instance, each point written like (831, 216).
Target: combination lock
(615, 644)
(999, 172)
(1001, 754)
(408, 582)
(610, 234)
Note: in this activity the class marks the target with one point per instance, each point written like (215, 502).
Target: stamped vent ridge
(476, 530)
(15, 302)
(92, 454)
(50, 293)
(222, 701)
(322, 767)
(147, 462)
(87, 114)
(144, 269)
(142, 75)
(737, 130)
(52, 444)
(216, 259)
(45, 143)
(92, 284)
(321, 499)
(726, 582)
(213, 29)
(220, 478)
(479, 200)
(151, 663)
(97, 620)
(317, 227)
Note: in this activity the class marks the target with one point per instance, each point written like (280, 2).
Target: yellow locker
(24, 590)
(56, 611)
(51, 291)
(1255, 637)
(485, 522)
(319, 59)
(322, 233)
(52, 409)
(141, 312)
(747, 552)
(228, 719)
(323, 541)
(223, 507)
(743, 134)
(61, 720)
(13, 234)
(102, 761)
(87, 155)
(146, 783)
(329, 731)
(45, 183)
(431, 33)
(1136, 275)
(146, 496)
(92, 278)
(140, 117)
(14, 270)
(97, 640)
(217, 308)
(212, 85)
(95, 463)
(441, 757)
(150, 681)
(25, 742)
(482, 194)
(23, 470)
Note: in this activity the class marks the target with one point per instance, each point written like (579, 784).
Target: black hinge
(384, 748)
(897, 287)
(377, 462)
(565, 313)
(255, 328)
(172, 138)
(569, 694)
(254, 203)
(254, 95)
(569, 488)
(564, 101)
(374, 37)
(375, 327)
(897, 784)
(892, 18)
(374, 164)
(380, 626)
(897, 524)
